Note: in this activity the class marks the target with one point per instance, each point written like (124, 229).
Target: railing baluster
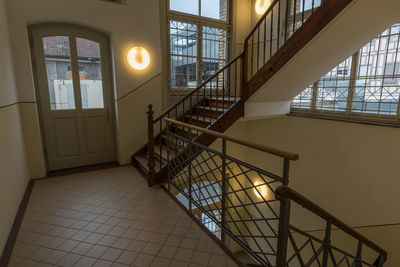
(224, 187)
(150, 146)
(258, 49)
(283, 233)
(279, 26)
(327, 243)
(271, 33)
(252, 56)
(189, 149)
(357, 262)
(168, 156)
(159, 142)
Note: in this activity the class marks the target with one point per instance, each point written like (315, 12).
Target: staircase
(284, 29)
(226, 194)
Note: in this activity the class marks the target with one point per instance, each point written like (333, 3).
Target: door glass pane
(185, 6)
(57, 55)
(90, 75)
(215, 9)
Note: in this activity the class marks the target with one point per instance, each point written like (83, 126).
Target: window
(214, 9)
(198, 46)
(365, 86)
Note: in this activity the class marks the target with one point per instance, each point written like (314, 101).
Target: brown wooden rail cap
(284, 193)
(263, 148)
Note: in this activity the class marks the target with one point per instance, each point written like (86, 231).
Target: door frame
(109, 66)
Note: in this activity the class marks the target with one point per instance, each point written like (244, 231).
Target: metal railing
(236, 196)
(224, 85)
(251, 207)
(336, 245)
(282, 19)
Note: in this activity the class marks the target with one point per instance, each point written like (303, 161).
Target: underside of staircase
(219, 111)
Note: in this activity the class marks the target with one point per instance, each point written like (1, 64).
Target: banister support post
(327, 243)
(283, 233)
(284, 221)
(150, 146)
(223, 185)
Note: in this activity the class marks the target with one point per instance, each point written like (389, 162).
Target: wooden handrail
(263, 148)
(198, 88)
(284, 193)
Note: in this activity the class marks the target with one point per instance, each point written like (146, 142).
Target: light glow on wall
(138, 58)
(260, 190)
(262, 6)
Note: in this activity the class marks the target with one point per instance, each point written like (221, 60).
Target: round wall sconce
(138, 58)
(260, 190)
(261, 6)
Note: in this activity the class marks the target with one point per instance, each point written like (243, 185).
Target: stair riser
(199, 123)
(215, 103)
(208, 113)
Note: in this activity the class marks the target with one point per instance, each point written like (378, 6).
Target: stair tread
(215, 109)
(164, 152)
(187, 130)
(143, 160)
(201, 118)
(226, 98)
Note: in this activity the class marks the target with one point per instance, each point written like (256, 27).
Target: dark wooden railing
(225, 84)
(275, 27)
(286, 194)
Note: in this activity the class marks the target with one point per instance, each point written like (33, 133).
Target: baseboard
(12, 237)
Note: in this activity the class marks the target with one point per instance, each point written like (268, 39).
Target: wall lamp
(138, 58)
(262, 6)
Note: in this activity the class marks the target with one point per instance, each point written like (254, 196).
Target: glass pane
(309, 4)
(185, 6)
(90, 76)
(214, 9)
(377, 88)
(215, 51)
(183, 45)
(57, 55)
(304, 99)
(333, 88)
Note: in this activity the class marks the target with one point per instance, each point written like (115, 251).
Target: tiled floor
(109, 218)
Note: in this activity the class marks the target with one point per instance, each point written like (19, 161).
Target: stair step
(181, 144)
(201, 121)
(208, 111)
(161, 150)
(225, 99)
(184, 132)
(143, 160)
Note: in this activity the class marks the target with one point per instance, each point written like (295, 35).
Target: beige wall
(14, 171)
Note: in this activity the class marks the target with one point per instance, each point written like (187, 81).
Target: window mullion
(199, 53)
(353, 81)
(314, 96)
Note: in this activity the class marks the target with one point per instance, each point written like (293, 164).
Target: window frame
(350, 114)
(200, 22)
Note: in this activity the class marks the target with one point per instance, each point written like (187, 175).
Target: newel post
(150, 143)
